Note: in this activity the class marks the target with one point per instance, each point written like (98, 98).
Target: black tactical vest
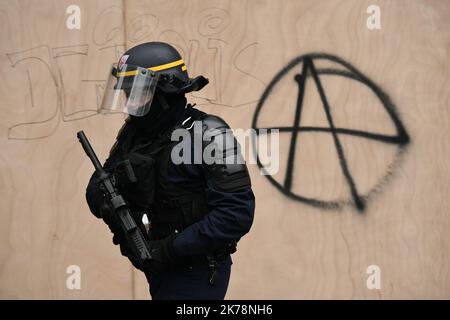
(170, 207)
(175, 206)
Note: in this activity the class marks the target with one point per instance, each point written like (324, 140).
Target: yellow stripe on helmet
(156, 68)
(127, 73)
(167, 65)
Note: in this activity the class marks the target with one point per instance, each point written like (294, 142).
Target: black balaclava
(166, 111)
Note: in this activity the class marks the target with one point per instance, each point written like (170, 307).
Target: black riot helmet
(140, 72)
(165, 60)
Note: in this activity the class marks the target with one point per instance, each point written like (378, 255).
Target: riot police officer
(197, 211)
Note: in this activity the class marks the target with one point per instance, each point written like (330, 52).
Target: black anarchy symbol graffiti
(401, 138)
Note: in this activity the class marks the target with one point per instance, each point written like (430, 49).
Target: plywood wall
(354, 199)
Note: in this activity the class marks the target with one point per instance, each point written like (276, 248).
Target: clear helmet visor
(130, 90)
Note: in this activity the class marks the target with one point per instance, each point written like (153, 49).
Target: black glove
(113, 223)
(119, 239)
(162, 252)
(125, 250)
(108, 216)
(163, 255)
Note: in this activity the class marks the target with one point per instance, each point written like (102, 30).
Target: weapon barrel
(90, 152)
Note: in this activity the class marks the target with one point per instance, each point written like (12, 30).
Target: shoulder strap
(192, 116)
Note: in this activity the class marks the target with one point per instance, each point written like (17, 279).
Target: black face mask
(166, 111)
